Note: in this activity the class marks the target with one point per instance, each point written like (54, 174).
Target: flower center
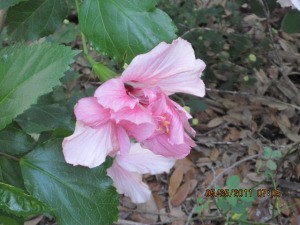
(163, 124)
(137, 93)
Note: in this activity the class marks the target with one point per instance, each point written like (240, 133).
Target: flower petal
(296, 4)
(139, 132)
(166, 65)
(129, 183)
(161, 145)
(90, 112)
(143, 161)
(88, 146)
(123, 138)
(112, 95)
(186, 82)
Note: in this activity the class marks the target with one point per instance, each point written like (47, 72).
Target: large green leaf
(45, 117)
(35, 18)
(14, 141)
(78, 195)
(125, 28)
(8, 219)
(8, 3)
(290, 22)
(10, 172)
(16, 201)
(26, 72)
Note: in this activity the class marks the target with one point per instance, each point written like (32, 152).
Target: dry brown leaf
(233, 135)
(181, 194)
(288, 133)
(184, 190)
(151, 207)
(204, 162)
(255, 177)
(158, 200)
(226, 160)
(297, 203)
(284, 207)
(193, 185)
(214, 154)
(297, 171)
(215, 122)
(211, 176)
(175, 181)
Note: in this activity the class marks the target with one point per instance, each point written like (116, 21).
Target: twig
(227, 170)
(128, 222)
(246, 94)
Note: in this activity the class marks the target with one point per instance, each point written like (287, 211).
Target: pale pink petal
(139, 132)
(113, 95)
(137, 115)
(296, 4)
(168, 65)
(164, 110)
(129, 183)
(90, 112)
(186, 82)
(123, 139)
(288, 3)
(88, 146)
(143, 161)
(185, 116)
(161, 146)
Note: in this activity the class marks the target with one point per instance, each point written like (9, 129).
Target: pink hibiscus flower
(137, 105)
(143, 88)
(126, 171)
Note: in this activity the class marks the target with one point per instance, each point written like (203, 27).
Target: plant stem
(9, 156)
(103, 72)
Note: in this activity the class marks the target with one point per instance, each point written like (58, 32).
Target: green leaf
(8, 3)
(7, 219)
(271, 165)
(78, 195)
(233, 182)
(267, 152)
(125, 28)
(290, 22)
(10, 172)
(14, 200)
(41, 118)
(26, 72)
(276, 154)
(35, 18)
(15, 141)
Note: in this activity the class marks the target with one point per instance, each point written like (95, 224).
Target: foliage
(39, 89)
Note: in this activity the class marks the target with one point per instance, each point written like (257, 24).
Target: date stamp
(240, 193)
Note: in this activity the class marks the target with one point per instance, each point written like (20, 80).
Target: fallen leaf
(151, 207)
(284, 207)
(215, 122)
(214, 154)
(181, 194)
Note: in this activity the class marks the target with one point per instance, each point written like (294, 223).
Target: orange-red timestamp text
(240, 193)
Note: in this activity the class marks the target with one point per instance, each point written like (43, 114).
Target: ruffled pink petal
(129, 183)
(123, 139)
(161, 146)
(90, 112)
(112, 95)
(136, 115)
(186, 82)
(185, 116)
(139, 132)
(88, 146)
(168, 65)
(143, 161)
